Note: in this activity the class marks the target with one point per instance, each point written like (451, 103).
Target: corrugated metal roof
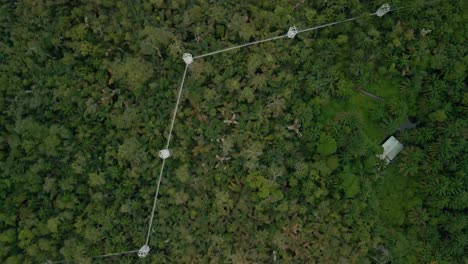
(391, 149)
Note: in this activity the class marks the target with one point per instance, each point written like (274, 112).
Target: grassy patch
(385, 89)
(364, 107)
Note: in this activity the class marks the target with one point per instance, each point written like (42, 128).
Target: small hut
(391, 149)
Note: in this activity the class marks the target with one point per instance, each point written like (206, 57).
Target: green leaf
(52, 224)
(327, 145)
(350, 185)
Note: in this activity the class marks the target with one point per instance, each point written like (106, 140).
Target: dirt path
(370, 95)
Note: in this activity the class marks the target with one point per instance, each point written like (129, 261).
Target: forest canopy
(274, 147)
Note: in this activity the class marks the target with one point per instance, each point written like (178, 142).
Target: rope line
(285, 35)
(154, 201)
(176, 106)
(330, 24)
(239, 46)
(275, 38)
(181, 88)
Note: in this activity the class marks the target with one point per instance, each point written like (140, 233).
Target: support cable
(164, 154)
(176, 106)
(239, 46)
(299, 31)
(154, 201)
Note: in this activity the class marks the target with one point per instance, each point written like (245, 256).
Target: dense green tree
(274, 147)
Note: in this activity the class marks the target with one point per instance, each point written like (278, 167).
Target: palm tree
(410, 161)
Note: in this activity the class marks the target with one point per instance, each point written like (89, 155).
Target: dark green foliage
(86, 94)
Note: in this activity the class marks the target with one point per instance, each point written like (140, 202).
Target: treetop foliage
(274, 148)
